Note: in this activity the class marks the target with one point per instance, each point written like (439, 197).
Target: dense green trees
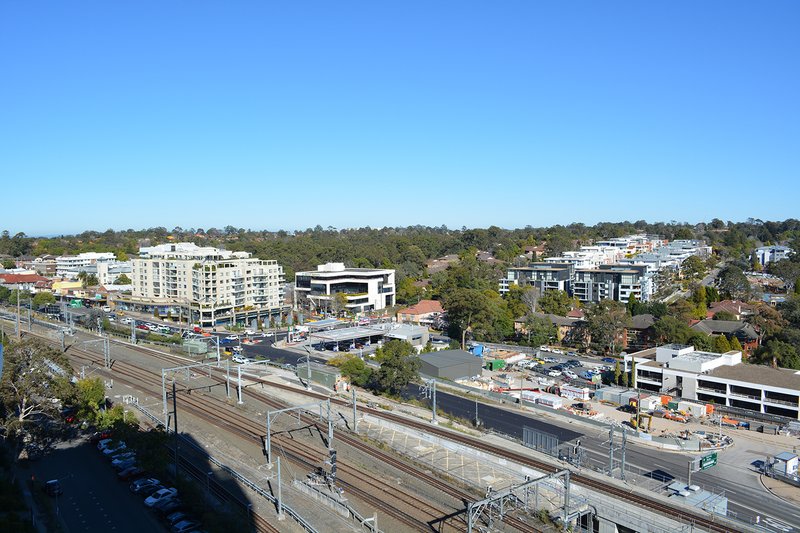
(399, 367)
(34, 385)
(556, 303)
(607, 321)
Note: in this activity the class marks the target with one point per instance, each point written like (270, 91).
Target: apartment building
(722, 379)
(69, 266)
(770, 254)
(366, 289)
(214, 286)
(612, 282)
(543, 276)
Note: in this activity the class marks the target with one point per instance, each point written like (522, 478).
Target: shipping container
(577, 393)
(549, 400)
(672, 405)
(530, 396)
(495, 364)
(665, 400)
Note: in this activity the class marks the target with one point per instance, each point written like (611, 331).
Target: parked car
(132, 472)
(232, 338)
(177, 516)
(160, 495)
(97, 436)
(125, 464)
(113, 449)
(570, 374)
(124, 454)
(185, 526)
(554, 373)
(143, 327)
(168, 505)
(249, 332)
(142, 485)
(550, 360)
(240, 359)
(104, 443)
(544, 348)
(126, 320)
(610, 360)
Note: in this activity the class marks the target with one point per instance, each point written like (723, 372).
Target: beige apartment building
(210, 285)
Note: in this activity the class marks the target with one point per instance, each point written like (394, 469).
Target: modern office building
(366, 289)
(722, 379)
(214, 286)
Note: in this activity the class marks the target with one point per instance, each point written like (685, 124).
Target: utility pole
(175, 424)
(281, 516)
(611, 451)
(433, 420)
(355, 412)
(19, 329)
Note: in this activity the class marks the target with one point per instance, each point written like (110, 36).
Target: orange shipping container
(665, 400)
(709, 409)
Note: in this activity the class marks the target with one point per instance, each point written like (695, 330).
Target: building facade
(366, 289)
(543, 276)
(215, 285)
(721, 379)
(69, 266)
(770, 254)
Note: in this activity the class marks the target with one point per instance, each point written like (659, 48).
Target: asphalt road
(93, 499)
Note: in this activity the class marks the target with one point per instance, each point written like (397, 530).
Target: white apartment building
(770, 254)
(721, 379)
(69, 266)
(215, 286)
(367, 289)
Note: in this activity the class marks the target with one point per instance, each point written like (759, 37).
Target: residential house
(425, 312)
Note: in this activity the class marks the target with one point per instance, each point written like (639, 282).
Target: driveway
(93, 499)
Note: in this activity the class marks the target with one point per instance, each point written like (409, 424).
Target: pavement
(93, 498)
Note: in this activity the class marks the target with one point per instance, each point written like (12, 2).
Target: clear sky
(270, 115)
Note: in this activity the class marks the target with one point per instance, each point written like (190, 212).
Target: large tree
(399, 366)
(734, 284)
(43, 299)
(540, 330)
(34, 386)
(482, 313)
(555, 302)
(607, 321)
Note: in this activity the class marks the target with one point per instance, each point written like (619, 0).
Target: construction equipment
(637, 421)
(676, 417)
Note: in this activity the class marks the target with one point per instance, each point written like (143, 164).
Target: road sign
(708, 461)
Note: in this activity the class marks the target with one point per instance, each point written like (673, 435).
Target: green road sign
(708, 461)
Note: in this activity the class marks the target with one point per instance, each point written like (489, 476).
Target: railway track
(651, 504)
(416, 513)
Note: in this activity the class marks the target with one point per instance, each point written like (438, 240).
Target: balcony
(733, 394)
(709, 390)
(781, 402)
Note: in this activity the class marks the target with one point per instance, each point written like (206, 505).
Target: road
(747, 498)
(93, 499)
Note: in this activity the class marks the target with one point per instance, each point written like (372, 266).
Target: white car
(570, 374)
(159, 495)
(554, 373)
(232, 338)
(126, 320)
(240, 359)
(544, 348)
(114, 450)
(249, 332)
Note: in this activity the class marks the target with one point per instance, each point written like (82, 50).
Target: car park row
(163, 500)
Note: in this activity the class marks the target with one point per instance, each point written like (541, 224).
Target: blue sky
(270, 115)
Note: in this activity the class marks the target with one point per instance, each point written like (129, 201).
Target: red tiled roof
(422, 308)
(21, 278)
(575, 313)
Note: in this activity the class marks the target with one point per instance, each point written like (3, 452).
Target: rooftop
(422, 307)
(784, 378)
(445, 358)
